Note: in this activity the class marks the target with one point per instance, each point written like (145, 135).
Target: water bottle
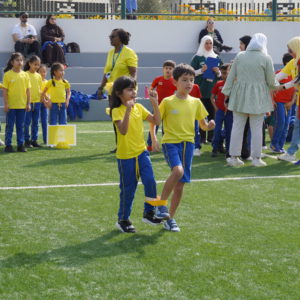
(146, 92)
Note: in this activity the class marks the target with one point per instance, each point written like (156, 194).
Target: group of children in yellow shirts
(27, 96)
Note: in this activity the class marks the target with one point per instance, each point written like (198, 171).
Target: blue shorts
(180, 154)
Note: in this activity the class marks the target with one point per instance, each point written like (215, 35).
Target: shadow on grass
(208, 167)
(84, 253)
(73, 160)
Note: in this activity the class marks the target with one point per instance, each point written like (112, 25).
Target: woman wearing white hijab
(248, 86)
(205, 50)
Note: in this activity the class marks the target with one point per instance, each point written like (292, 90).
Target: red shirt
(284, 96)
(164, 87)
(195, 92)
(217, 90)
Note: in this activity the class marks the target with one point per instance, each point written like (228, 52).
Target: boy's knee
(178, 171)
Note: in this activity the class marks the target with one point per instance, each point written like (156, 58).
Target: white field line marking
(158, 181)
(95, 131)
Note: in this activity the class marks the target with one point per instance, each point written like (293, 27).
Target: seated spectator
(52, 37)
(216, 36)
(25, 37)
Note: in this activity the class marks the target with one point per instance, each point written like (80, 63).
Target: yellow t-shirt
(16, 85)
(57, 93)
(132, 144)
(291, 70)
(1, 85)
(179, 118)
(126, 58)
(36, 86)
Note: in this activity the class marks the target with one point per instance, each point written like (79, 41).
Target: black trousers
(54, 53)
(25, 49)
(211, 116)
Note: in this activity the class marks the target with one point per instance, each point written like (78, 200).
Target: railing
(155, 9)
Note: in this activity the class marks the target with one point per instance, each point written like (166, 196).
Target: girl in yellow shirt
(59, 92)
(132, 156)
(32, 116)
(44, 105)
(16, 94)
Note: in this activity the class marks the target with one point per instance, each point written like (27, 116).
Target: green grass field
(238, 240)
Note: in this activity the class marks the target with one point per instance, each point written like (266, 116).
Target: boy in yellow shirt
(179, 113)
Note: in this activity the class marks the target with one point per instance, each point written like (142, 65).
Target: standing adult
(245, 154)
(248, 87)
(131, 8)
(52, 37)
(121, 61)
(25, 37)
(216, 36)
(292, 69)
(199, 63)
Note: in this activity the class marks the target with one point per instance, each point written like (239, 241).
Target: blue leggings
(128, 169)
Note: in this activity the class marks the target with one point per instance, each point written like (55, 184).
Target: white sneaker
(287, 157)
(264, 147)
(1, 143)
(258, 162)
(249, 158)
(197, 152)
(234, 162)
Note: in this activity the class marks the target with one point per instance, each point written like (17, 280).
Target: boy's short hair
(225, 67)
(169, 63)
(182, 69)
(286, 58)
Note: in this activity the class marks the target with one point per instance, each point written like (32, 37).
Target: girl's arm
(68, 96)
(28, 107)
(155, 118)
(207, 126)
(123, 124)
(5, 98)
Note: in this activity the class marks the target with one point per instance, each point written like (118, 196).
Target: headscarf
(48, 24)
(245, 40)
(258, 42)
(202, 51)
(294, 45)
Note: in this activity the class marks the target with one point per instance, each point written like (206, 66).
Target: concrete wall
(159, 36)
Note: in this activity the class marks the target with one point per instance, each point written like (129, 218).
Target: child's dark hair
(123, 35)
(11, 59)
(183, 69)
(286, 58)
(225, 67)
(55, 66)
(120, 84)
(32, 59)
(169, 63)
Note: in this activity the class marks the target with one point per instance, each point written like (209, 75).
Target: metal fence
(154, 9)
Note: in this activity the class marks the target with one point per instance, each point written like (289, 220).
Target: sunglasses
(24, 17)
(54, 19)
(210, 22)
